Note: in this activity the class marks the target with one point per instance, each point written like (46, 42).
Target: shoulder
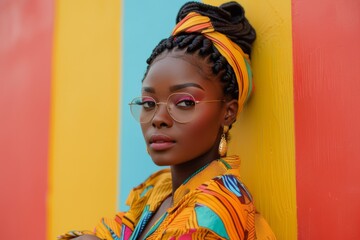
(153, 179)
(227, 186)
(161, 178)
(225, 206)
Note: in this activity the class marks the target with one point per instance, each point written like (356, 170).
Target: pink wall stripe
(25, 74)
(326, 36)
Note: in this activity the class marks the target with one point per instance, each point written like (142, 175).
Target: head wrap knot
(238, 60)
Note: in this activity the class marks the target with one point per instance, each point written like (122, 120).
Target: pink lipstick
(161, 142)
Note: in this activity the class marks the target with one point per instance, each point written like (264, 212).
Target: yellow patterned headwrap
(238, 60)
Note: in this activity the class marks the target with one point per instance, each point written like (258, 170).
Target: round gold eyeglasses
(180, 106)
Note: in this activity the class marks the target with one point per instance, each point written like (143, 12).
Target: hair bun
(235, 10)
(228, 19)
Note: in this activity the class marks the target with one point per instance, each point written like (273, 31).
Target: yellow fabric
(213, 204)
(238, 60)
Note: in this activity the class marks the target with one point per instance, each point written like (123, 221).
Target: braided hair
(228, 19)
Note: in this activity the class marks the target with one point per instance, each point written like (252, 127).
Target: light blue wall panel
(145, 23)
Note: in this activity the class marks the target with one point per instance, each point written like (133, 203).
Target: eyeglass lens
(180, 106)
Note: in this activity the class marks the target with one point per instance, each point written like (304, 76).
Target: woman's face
(170, 142)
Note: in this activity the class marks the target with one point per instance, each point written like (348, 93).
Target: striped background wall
(145, 24)
(84, 114)
(327, 117)
(70, 152)
(26, 30)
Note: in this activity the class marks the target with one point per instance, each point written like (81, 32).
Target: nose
(162, 117)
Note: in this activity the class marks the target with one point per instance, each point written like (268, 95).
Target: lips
(161, 142)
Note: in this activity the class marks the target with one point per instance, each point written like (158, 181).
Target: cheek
(203, 131)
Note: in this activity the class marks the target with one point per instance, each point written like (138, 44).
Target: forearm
(87, 237)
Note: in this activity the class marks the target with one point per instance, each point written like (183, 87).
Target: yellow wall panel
(264, 133)
(84, 114)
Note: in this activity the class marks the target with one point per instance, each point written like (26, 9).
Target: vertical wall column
(84, 114)
(263, 136)
(26, 30)
(145, 24)
(327, 116)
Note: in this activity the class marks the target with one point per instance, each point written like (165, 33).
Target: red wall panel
(326, 37)
(25, 75)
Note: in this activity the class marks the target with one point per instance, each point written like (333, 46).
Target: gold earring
(223, 143)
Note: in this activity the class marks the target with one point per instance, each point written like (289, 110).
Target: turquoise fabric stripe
(250, 76)
(144, 219)
(157, 224)
(208, 219)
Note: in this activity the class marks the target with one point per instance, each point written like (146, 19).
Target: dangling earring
(223, 143)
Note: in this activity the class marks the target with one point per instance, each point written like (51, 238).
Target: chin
(161, 163)
(162, 159)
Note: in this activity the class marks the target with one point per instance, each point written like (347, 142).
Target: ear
(231, 109)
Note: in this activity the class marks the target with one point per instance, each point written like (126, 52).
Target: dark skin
(204, 131)
(193, 144)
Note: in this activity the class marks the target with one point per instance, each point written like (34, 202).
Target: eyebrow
(185, 85)
(148, 89)
(175, 87)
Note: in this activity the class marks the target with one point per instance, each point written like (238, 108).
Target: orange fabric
(212, 204)
(238, 60)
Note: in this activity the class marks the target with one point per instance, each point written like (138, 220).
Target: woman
(196, 83)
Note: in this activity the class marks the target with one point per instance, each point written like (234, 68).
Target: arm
(101, 231)
(87, 237)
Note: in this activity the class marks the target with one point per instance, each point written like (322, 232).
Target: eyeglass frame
(167, 108)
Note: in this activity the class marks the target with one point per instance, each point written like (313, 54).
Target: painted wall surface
(145, 24)
(25, 75)
(84, 114)
(264, 134)
(327, 116)
(70, 151)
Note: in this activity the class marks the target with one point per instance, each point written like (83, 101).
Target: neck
(181, 172)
